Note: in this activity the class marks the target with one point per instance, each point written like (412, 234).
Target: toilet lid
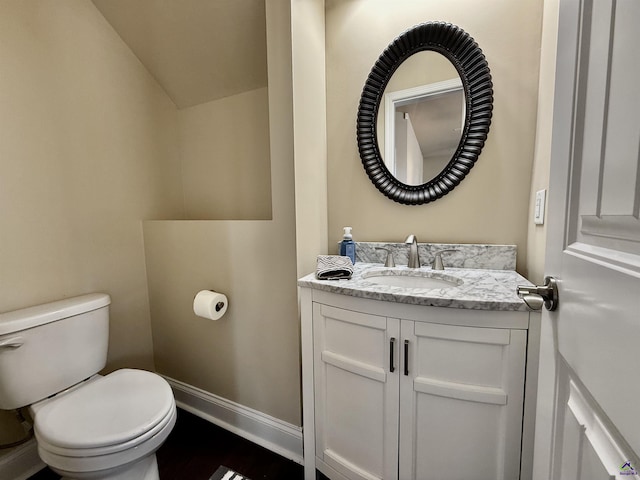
(112, 410)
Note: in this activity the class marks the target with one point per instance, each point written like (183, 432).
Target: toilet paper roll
(210, 304)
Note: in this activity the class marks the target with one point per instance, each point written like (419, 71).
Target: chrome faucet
(414, 257)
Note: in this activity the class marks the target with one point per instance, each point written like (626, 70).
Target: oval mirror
(427, 105)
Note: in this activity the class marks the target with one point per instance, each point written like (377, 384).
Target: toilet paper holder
(210, 304)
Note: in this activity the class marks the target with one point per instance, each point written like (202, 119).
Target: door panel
(480, 362)
(461, 441)
(591, 446)
(354, 412)
(461, 402)
(604, 204)
(356, 417)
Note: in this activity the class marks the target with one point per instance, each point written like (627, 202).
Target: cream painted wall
(224, 152)
(491, 204)
(88, 148)
(537, 235)
(251, 356)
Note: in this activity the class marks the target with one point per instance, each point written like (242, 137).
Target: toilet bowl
(105, 426)
(87, 426)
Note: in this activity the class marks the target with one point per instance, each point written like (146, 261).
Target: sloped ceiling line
(197, 50)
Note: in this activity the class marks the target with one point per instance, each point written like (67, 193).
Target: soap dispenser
(348, 246)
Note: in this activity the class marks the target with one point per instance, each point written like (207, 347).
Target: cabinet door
(356, 414)
(461, 402)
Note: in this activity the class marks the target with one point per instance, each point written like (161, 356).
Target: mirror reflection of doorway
(426, 123)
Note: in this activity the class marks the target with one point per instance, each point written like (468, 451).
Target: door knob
(539, 295)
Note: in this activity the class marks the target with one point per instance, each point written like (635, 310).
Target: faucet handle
(389, 262)
(437, 260)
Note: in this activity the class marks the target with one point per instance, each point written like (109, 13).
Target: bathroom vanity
(407, 379)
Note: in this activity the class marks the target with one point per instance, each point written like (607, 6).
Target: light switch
(538, 215)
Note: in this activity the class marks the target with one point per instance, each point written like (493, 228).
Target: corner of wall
(537, 234)
(310, 131)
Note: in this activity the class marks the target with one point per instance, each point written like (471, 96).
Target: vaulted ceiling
(197, 50)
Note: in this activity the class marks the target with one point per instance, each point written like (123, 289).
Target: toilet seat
(109, 422)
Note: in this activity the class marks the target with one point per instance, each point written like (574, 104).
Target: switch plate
(538, 214)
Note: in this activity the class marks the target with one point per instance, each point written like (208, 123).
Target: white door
(588, 423)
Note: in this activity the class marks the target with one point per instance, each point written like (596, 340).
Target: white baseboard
(21, 462)
(280, 437)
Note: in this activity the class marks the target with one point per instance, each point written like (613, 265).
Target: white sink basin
(410, 279)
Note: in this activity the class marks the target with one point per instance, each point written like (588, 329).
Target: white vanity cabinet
(398, 391)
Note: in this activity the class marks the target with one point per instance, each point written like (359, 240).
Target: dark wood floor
(195, 448)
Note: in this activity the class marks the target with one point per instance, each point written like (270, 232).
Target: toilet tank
(48, 348)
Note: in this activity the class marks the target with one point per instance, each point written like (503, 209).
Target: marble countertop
(481, 289)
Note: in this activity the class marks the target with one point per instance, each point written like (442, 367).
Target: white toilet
(87, 426)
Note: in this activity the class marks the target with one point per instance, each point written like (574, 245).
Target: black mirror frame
(471, 64)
